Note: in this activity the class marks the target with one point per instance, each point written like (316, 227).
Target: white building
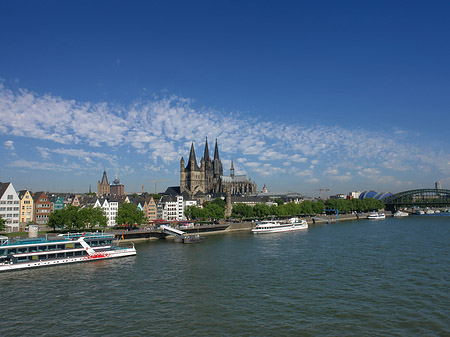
(110, 209)
(173, 209)
(355, 194)
(9, 207)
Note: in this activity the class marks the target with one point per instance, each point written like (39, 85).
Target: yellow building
(149, 209)
(26, 208)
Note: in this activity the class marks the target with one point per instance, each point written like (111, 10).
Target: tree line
(89, 217)
(216, 208)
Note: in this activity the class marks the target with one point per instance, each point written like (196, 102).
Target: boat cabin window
(51, 256)
(42, 248)
(33, 249)
(23, 249)
(2, 252)
(12, 251)
(79, 253)
(61, 246)
(52, 247)
(69, 254)
(78, 245)
(59, 255)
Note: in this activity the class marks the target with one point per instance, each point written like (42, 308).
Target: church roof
(192, 162)
(235, 179)
(206, 154)
(216, 151)
(104, 179)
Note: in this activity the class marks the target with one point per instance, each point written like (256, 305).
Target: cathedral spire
(216, 151)
(206, 154)
(232, 169)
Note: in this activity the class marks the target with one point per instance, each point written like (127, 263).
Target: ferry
(62, 249)
(277, 226)
(400, 214)
(376, 216)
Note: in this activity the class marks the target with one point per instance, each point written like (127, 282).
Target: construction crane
(156, 182)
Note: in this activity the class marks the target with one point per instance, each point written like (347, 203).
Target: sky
(301, 95)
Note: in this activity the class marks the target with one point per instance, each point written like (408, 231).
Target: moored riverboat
(280, 226)
(67, 248)
(400, 214)
(376, 216)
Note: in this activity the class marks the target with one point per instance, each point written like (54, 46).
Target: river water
(363, 277)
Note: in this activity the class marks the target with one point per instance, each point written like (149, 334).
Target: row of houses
(18, 209)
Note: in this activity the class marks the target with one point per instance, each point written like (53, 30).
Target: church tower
(217, 169)
(103, 186)
(192, 178)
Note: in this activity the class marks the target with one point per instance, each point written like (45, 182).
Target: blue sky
(302, 95)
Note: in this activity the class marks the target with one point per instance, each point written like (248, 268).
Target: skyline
(301, 96)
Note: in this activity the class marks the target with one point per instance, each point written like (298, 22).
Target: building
(103, 186)
(42, 208)
(117, 188)
(110, 208)
(208, 178)
(172, 208)
(9, 207)
(57, 203)
(150, 209)
(26, 208)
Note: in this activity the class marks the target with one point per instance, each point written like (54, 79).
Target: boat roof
(55, 239)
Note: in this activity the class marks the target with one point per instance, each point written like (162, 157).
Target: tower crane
(156, 182)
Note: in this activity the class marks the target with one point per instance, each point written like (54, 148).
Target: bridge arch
(428, 197)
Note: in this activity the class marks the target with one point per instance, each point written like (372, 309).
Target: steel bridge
(431, 197)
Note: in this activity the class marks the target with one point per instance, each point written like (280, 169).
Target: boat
(419, 212)
(279, 226)
(400, 214)
(62, 249)
(376, 216)
(192, 238)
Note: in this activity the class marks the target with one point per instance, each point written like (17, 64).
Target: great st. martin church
(209, 178)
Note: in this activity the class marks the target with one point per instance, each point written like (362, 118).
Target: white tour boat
(67, 248)
(280, 226)
(376, 216)
(400, 214)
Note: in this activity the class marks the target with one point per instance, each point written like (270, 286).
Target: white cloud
(9, 145)
(162, 130)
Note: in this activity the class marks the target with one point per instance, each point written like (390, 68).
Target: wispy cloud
(161, 131)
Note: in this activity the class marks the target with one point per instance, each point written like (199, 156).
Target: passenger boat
(376, 216)
(400, 214)
(62, 249)
(277, 226)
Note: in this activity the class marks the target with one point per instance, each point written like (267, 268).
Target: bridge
(429, 197)
(171, 231)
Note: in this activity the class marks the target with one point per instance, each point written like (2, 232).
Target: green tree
(2, 224)
(241, 210)
(279, 201)
(92, 217)
(129, 214)
(56, 219)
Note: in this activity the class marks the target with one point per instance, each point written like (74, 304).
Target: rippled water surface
(373, 278)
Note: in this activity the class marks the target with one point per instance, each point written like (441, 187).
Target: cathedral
(208, 177)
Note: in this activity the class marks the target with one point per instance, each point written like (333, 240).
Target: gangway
(171, 231)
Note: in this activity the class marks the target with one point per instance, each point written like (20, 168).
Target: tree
(129, 214)
(93, 217)
(241, 211)
(2, 224)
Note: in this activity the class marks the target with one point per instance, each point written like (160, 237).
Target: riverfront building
(9, 206)
(26, 207)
